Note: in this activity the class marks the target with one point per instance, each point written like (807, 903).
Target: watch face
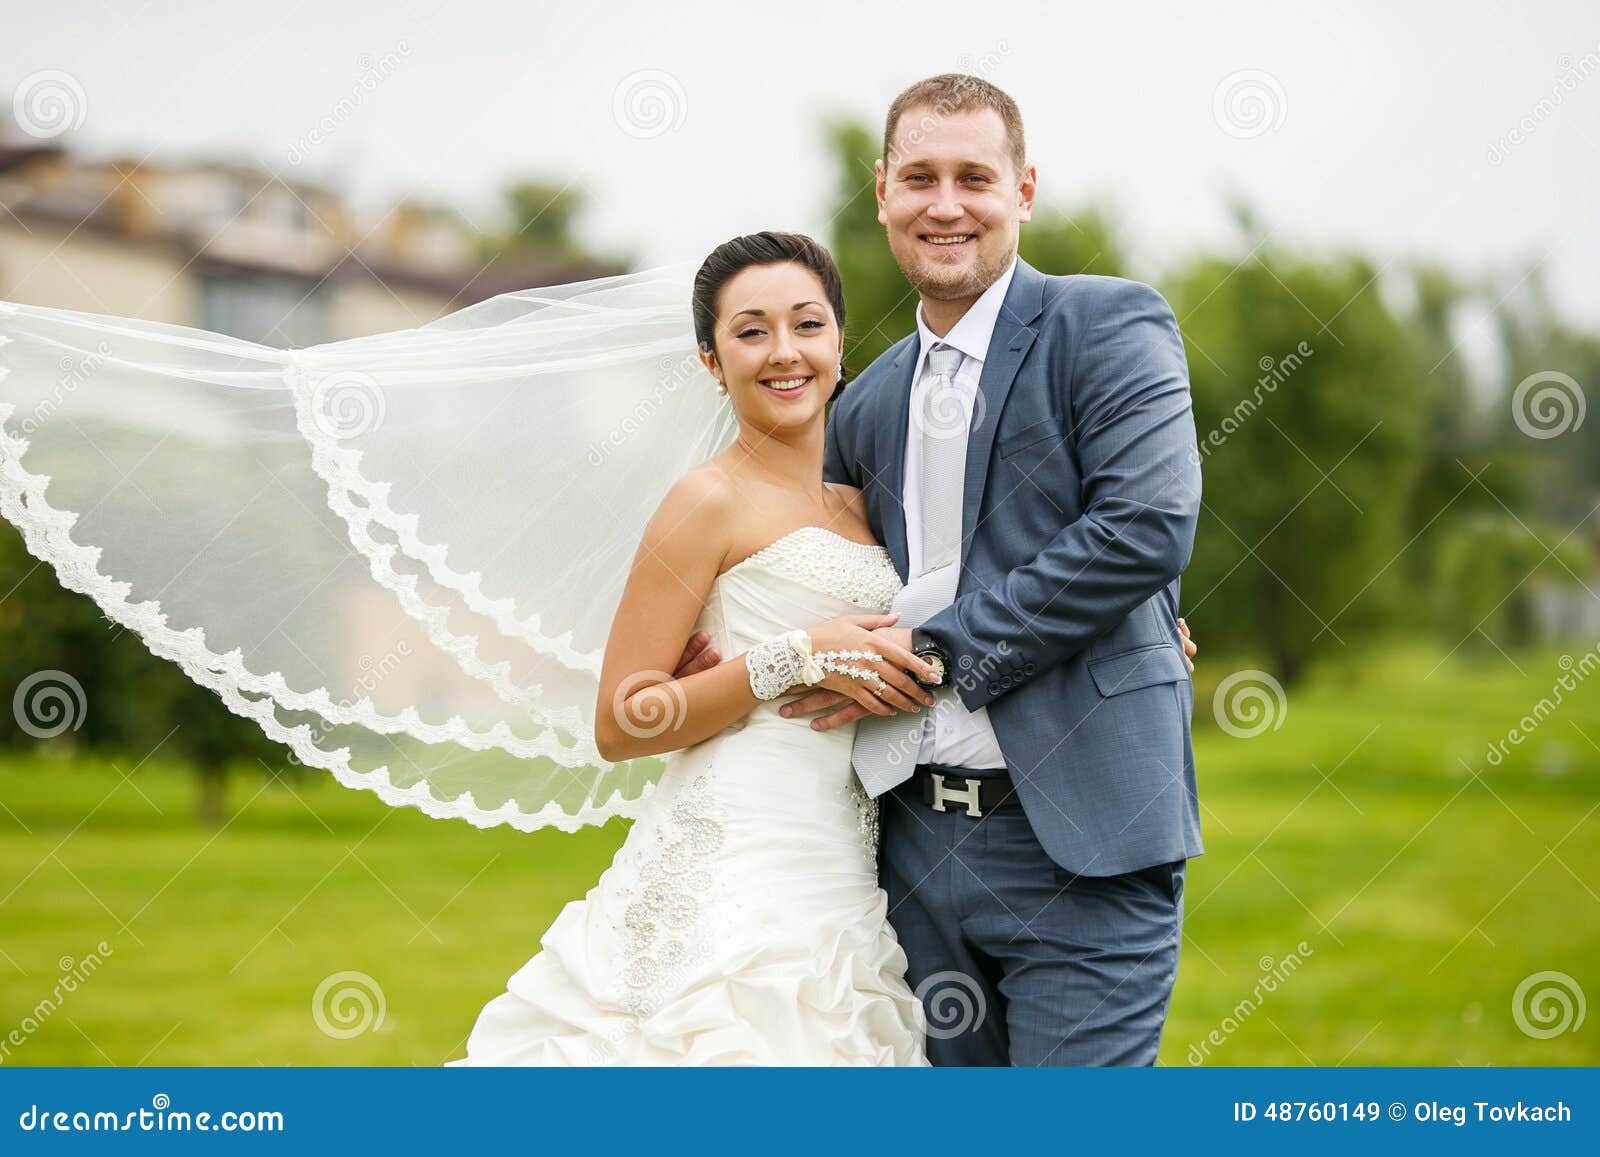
(936, 661)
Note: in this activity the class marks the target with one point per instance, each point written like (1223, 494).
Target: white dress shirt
(952, 735)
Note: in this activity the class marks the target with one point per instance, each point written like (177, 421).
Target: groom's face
(952, 201)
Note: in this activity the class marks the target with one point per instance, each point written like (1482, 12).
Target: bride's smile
(788, 387)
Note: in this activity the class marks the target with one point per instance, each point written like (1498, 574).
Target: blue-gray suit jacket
(1082, 491)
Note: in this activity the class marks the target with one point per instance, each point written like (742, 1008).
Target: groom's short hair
(954, 92)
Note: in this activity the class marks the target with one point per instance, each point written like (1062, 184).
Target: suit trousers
(1016, 960)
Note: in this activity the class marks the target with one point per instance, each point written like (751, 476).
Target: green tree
(1547, 411)
(1462, 470)
(541, 228)
(880, 305)
(133, 705)
(1310, 406)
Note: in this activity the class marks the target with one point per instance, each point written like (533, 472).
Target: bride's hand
(893, 664)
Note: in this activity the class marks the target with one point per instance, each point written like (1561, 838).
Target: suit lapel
(1012, 338)
(891, 449)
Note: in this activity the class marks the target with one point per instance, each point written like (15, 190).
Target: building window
(288, 313)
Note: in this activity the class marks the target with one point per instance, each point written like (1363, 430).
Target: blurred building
(1563, 611)
(235, 248)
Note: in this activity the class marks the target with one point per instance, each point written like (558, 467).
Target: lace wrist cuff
(778, 664)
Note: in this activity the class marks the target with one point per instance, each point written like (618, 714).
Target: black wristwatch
(924, 648)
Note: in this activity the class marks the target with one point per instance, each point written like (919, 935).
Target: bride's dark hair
(766, 248)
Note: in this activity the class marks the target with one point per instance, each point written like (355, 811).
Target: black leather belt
(947, 789)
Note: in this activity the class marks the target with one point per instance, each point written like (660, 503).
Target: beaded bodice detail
(859, 573)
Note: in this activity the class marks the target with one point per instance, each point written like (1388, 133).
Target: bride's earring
(722, 387)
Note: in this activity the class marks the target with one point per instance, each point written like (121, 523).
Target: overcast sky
(1465, 131)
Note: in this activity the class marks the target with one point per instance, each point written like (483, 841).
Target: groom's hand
(698, 655)
(847, 710)
(1189, 646)
(840, 708)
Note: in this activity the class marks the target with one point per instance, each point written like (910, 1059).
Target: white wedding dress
(741, 922)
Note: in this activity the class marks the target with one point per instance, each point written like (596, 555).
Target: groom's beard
(948, 284)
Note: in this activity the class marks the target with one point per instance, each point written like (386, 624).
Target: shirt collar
(971, 334)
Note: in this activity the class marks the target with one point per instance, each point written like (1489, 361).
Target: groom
(1029, 458)
(1035, 436)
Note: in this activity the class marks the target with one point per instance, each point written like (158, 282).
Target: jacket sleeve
(1141, 497)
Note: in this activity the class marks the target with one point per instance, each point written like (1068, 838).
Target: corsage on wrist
(781, 663)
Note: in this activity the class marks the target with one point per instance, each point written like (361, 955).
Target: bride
(741, 922)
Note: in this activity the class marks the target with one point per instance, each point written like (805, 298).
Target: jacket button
(994, 688)
(1028, 668)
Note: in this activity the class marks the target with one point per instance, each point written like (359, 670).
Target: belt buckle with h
(969, 797)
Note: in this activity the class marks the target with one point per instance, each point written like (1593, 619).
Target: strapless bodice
(804, 578)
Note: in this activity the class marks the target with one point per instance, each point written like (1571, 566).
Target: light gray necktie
(944, 459)
(885, 749)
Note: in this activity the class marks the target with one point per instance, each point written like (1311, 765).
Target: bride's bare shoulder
(705, 493)
(852, 520)
(852, 497)
(694, 514)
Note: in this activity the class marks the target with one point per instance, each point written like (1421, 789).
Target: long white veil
(399, 554)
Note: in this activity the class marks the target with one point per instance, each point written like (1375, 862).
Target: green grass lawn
(1425, 883)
